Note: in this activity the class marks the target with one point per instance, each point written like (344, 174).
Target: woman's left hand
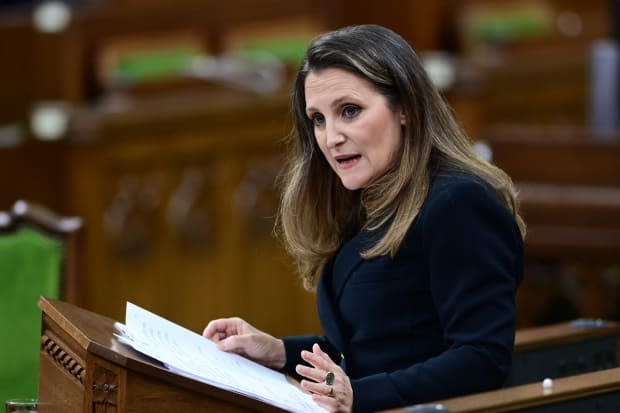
(332, 393)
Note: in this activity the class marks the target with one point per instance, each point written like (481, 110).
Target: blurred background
(161, 123)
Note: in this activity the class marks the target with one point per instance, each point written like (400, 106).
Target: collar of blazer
(336, 272)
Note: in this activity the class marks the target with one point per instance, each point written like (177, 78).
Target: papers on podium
(189, 354)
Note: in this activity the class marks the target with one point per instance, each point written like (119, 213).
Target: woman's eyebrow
(334, 104)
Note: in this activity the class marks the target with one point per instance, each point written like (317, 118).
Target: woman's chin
(353, 184)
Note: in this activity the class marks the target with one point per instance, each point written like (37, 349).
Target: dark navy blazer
(438, 319)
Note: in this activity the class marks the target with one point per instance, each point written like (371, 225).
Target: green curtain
(30, 266)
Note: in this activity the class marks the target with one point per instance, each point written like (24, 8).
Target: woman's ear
(403, 117)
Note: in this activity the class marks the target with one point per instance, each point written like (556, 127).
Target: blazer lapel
(347, 260)
(333, 279)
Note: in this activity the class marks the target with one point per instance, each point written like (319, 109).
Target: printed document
(189, 354)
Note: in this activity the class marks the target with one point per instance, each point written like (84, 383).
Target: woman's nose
(333, 135)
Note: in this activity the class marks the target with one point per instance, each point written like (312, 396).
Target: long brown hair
(316, 211)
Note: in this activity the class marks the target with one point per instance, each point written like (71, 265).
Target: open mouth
(347, 159)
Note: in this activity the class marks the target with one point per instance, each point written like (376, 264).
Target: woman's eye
(350, 111)
(317, 119)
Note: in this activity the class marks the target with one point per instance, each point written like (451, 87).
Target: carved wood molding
(64, 359)
(105, 387)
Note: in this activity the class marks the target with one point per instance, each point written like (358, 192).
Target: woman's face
(356, 129)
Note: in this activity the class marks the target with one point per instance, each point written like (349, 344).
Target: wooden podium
(85, 369)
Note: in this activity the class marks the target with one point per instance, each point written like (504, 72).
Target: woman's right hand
(237, 336)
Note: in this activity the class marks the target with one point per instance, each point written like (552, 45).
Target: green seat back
(30, 266)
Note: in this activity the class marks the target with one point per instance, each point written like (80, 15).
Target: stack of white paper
(191, 355)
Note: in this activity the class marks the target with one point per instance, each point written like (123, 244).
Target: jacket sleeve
(295, 344)
(473, 251)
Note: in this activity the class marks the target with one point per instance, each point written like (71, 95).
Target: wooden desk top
(95, 334)
(531, 395)
(561, 333)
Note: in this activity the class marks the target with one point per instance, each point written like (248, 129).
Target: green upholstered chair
(38, 257)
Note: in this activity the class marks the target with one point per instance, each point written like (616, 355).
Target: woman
(414, 243)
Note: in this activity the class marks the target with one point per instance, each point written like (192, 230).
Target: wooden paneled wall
(570, 197)
(181, 206)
